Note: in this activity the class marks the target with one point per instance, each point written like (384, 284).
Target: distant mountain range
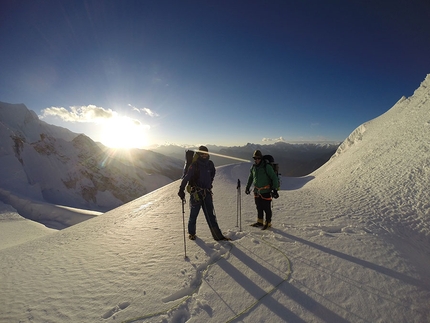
(294, 159)
(44, 163)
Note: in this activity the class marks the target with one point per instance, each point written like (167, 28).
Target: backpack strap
(193, 181)
(265, 169)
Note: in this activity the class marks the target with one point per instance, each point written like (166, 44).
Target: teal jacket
(263, 178)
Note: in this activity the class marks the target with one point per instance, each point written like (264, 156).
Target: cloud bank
(89, 113)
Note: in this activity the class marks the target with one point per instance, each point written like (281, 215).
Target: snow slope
(45, 164)
(350, 243)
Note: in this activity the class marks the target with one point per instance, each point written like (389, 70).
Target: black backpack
(190, 158)
(268, 159)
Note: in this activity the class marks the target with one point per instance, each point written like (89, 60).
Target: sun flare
(124, 132)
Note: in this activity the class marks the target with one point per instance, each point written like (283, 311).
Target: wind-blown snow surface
(350, 243)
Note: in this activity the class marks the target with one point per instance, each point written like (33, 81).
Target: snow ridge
(392, 161)
(354, 138)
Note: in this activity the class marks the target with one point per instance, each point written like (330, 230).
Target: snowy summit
(47, 170)
(350, 243)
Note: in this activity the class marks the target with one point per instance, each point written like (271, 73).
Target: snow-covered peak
(43, 163)
(23, 122)
(408, 119)
(387, 157)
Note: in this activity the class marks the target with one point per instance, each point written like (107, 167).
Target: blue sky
(136, 73)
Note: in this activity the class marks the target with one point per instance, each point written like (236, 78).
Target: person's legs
(267, 206)
(260, 209)
(208, 209)
(194, 212)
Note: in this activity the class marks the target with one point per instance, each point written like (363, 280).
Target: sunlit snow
(350, 243)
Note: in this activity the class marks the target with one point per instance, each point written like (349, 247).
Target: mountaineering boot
(217, 234)
(192, 236)
(223, 239)
(259, 223)
(266, 225)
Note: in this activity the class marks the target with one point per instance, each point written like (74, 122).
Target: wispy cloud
(150, 112)
(147, 111)
(280, 139)
(89, 113)
(133, 107)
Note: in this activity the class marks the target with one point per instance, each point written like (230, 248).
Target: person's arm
(249, 182)
(213, 172)
(187, 177)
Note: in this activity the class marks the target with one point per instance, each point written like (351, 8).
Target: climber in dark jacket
(200, 177)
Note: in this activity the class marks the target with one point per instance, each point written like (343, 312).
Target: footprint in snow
(116, 309)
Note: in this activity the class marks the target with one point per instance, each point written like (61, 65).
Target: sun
(125, 133)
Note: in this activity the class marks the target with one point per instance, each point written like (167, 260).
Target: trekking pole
(183, 226)
(237, 203)
(239, 206)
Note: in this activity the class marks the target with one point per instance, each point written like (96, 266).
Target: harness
(198, 192)
(257, 193)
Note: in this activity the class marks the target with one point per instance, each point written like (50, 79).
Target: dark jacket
(205, 176)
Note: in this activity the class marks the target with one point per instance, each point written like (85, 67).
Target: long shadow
(274, 306)
(254, 290)
(312, 305)
(259, 269)
(292, 292)
(383, 270)
(295, 183)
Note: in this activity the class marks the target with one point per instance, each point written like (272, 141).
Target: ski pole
(183, 226)
(239, 206)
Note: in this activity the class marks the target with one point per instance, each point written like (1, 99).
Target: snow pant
(203, 199)
(263, 203)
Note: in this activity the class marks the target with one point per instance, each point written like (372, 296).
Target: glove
(181, 194)
(275, 194)
(247, 191)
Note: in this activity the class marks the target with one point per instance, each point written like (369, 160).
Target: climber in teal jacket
(265, 182)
